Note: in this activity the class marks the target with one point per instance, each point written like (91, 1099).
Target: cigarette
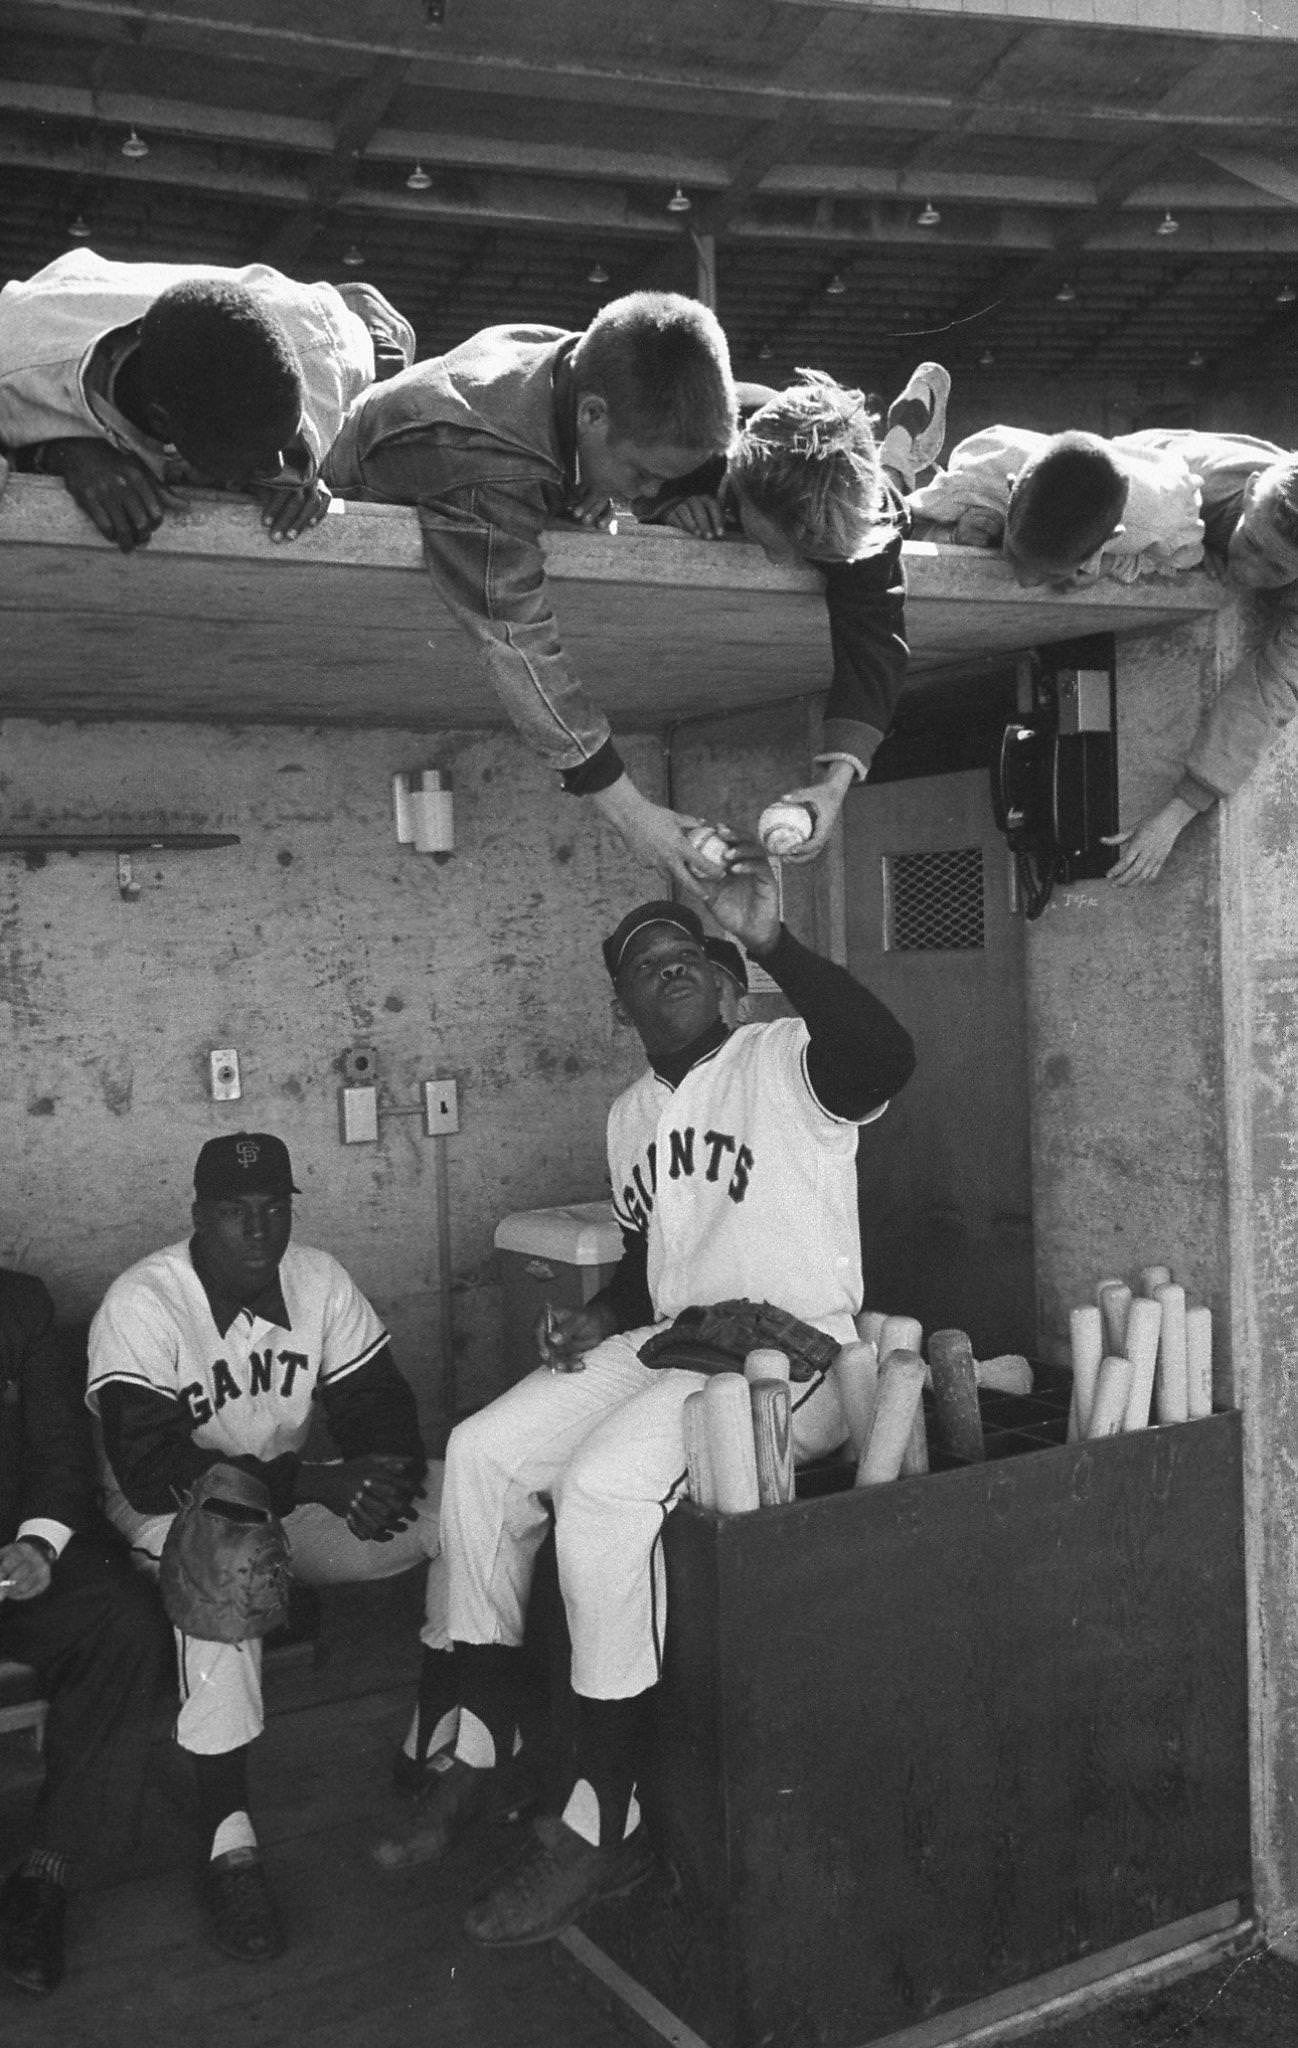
(7, 1585)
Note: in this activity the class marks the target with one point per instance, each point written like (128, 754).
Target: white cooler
(562, 1256)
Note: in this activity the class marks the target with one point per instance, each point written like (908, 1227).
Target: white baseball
(709, 845)
(784, 827)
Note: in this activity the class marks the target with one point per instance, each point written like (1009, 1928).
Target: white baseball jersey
(249, 1393)
(745, 1185)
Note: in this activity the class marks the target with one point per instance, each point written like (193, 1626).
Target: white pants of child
(220, 1683)
(606, 1447)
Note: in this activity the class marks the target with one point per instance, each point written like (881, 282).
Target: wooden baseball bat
(1171, 1382)
(899, 1333)
(1115, 1302)
(732, 1455)
(955, 1394)
(901, 1393)
(1009, 1373)
(856, 1375)
(868, 1325)
(1198, 1361)
(1152, 1278)
(764, 1364)
(772, 1440)
(914, 1459)
(694, 1425)
(904, 1333)
(1086, 1343)
(1144, 1322)
(1112, 1388)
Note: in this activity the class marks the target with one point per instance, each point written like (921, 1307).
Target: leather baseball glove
(224, 1573)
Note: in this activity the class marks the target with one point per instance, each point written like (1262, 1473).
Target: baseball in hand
(783, 827)
(709, 845)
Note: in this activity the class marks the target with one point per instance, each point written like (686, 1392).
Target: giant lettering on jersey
(226, 1388)
(688, 1155)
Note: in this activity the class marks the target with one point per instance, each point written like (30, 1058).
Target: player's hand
(374, 1494)
(1146, 846)
(24, 1572)
(295, 509)
(701, 515)
(565, 1335)
(746, 903)
(114, 489)
(825, 801)
(658, 838)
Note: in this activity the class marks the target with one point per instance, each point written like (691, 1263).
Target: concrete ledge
(213, 621)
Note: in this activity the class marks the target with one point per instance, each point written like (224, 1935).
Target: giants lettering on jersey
(261, 1374)
(711, 1154)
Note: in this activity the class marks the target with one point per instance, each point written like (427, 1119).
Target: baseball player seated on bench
(733, 1167)
(216, 1351)
(71, 1607)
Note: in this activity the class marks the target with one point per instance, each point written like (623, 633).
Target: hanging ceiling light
(679, 202)
(597, 274)
(419, 180)
(1168, 225)
(135, 146)
(765, 352)
(1198, 359)
(80, 228)
(1286, 295)
(835, 288)
(929, 217)
(986, 359)
(1065, 295)
(353, 256)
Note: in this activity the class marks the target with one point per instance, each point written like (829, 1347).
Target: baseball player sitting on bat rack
(806, 481)
(733, 1167)
(208, 1361)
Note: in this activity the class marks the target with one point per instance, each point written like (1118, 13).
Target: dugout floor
(379, 1961)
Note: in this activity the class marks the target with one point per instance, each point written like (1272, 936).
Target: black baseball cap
(727, 956)
(658, 912)
(249, 1163)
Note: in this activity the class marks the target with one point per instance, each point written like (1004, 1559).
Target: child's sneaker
(917, 424)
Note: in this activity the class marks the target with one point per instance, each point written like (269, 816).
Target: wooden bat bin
(923, 1747)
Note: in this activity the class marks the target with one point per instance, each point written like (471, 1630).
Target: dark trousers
(102, 1650)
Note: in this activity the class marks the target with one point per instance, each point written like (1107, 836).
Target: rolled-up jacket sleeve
(1259, 699)
(867, 629)
(482, 548)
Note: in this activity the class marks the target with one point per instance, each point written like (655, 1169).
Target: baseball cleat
(241, 1916)
(455, 1795)
(31, 1930)
(552, 1882)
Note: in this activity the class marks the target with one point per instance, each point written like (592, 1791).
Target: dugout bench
(931, 1752)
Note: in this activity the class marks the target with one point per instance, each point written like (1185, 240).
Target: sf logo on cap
(247, 1153)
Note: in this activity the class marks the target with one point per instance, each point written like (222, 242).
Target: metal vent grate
(934, 901)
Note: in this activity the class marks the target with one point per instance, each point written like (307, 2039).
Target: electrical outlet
(358, 1115)
(223, 1075)
(441, 1108)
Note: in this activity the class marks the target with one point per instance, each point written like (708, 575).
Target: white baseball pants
(606, 1447)
(220, 1683)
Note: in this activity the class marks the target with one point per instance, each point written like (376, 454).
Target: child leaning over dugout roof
(806, 480)
(1051, 501)
(128, 378)
(515, 428)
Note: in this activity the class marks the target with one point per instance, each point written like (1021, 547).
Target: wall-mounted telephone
(1055, 778)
